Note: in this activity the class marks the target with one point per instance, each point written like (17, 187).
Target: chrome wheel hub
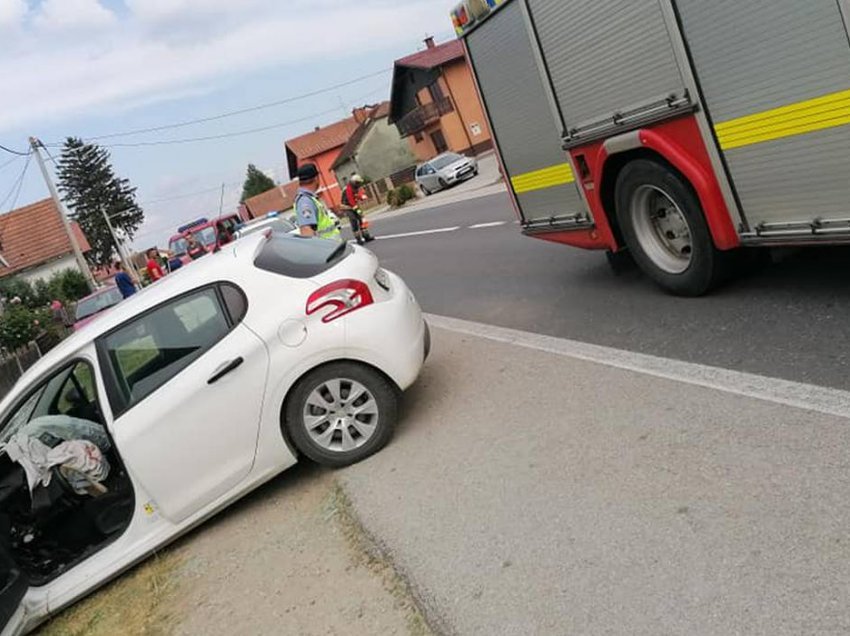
(341, 415)
(662, 229)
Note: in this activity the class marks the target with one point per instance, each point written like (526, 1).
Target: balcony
(418, 120)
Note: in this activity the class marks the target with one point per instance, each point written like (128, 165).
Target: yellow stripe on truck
(550, 177)
(829, 111)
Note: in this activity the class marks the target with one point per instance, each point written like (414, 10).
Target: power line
(241, 111)
(16, 187)
(182, 196)
(9, 163)
(240, 133)
(14, 152)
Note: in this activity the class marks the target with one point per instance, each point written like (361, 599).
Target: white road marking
(441, 230)
(795, 394)
(483, 225)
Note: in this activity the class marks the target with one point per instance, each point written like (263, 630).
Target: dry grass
(136, 603)
(367, 553)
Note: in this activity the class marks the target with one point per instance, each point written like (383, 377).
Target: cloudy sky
(94, 68)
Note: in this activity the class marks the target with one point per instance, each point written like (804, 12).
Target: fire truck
(676, 131)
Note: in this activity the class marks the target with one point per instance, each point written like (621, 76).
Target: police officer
(312, 216)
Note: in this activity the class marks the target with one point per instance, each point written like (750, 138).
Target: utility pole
(35, 144)
(123, 253)
(128, 266)
(221, 202)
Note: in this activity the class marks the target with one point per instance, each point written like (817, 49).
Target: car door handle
(227, 368)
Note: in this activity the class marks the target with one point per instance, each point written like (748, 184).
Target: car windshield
(206, 236)
(446, 160)
(277, 225)
(95, 304)
(179, 246)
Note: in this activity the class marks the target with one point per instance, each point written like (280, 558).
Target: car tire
(665, 230)
(323, 439)
(425, 191)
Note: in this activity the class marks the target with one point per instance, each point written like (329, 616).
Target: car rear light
(340, 298)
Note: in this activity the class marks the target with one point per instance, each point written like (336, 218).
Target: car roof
(99, 292)
(211, 268)
(440, 156)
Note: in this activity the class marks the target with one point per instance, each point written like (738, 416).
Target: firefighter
(351, 198)
(312, 215)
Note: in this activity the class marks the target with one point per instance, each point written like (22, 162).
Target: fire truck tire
(664, 227)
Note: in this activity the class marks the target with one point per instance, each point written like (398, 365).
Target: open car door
(13, 588)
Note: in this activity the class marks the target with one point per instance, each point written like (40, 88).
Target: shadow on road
(811, 272)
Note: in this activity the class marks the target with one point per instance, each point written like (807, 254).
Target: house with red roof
(322, 147)
(279, 199)
(435, 103)
(34, 244)
(374, 150)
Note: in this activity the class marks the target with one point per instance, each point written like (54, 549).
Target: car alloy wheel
(341, 415)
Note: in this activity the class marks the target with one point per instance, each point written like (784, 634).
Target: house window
(436, 91)
(439, 140)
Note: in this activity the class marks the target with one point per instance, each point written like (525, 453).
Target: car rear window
(300, 257)
(95, 304)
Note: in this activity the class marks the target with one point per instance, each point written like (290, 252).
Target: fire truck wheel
(664, 228)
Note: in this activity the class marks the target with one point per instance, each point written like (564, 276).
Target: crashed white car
(187, 396)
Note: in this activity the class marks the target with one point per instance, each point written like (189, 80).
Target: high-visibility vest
(326, 223)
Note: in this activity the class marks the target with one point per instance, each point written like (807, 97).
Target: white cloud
(126, 65)
(168, 10)
(73, 15)
(12, 12)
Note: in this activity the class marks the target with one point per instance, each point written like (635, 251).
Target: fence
(14, 364)
(408, 175)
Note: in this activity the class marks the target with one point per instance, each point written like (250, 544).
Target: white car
(445, 171)
(273, 221)
(187, 396)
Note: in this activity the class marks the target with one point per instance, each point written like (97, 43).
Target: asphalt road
(786, 320)
(528, 492)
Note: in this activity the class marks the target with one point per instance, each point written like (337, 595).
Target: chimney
(429, 42)
(361, 114)
(318, 128)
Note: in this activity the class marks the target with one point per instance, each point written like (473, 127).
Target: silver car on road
(445, 171)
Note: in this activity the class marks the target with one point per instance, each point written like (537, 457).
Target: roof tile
(33, 235)
(434, 57)
(321, 140)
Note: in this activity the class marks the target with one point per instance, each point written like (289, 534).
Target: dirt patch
(289, 559)
(137, 603)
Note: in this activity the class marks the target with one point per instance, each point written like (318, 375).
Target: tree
(256, 182)
(90, 188)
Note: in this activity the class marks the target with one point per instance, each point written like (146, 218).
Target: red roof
(34, 235)
(322, 139)
(434, 57)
